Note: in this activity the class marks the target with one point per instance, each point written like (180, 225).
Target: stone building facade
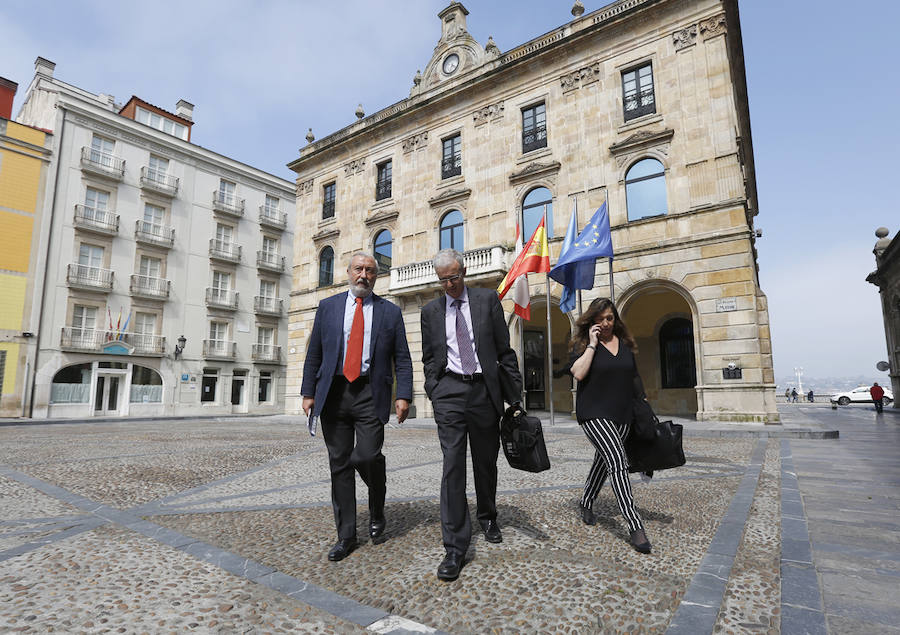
(887, 278)
(164, 273)
(641, 104)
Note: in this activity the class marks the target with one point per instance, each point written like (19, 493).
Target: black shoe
(587, 515)
(342, 549)
(449, 568)
(376, 529)
(639, 541)
(491, 530)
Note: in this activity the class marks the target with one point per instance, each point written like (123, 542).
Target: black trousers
(348, 412)
(464, 411)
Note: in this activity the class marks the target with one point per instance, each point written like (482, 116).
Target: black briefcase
(661, 452)
(523, 441)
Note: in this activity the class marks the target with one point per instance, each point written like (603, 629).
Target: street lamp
(179, 348)
(799, 372)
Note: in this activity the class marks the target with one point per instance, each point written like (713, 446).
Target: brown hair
(580, 338)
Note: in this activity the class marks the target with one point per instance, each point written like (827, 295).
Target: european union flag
(575, 267)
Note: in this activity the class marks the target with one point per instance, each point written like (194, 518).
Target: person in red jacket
(877, 393)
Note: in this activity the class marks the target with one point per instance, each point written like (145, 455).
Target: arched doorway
(662, 322)
(533, 343)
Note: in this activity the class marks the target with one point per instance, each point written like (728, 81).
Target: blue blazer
(388, 350)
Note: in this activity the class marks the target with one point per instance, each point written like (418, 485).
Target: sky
(822, 81)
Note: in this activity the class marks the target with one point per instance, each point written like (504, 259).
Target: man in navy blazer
(465, 348)
(351, 393)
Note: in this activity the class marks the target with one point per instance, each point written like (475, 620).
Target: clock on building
(451, 63)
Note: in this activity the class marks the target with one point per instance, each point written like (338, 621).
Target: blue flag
(575, 267)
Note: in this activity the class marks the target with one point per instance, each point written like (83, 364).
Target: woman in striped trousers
(608, 381)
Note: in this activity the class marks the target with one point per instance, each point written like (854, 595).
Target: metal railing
(228, 203)
(265, 304)
(219, 349)
(269, 260)
(221, 298)
(224, 250)
(272, 217)
(99, 220)
(534, 138)
(102, 163)
(266, 353)
(89, 277)
(95, 340)
(383, 189)
(451, 166)
(159, 181)
(639, 103)
(328, 209)
(149, 286)
(147, 232)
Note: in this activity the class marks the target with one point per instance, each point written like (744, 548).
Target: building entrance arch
(662, 318)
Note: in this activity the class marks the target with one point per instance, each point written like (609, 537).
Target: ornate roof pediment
(534, 170)
(449, 196)
(325, 234)
(641, 140)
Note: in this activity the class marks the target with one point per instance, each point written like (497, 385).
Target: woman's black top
(609, 388)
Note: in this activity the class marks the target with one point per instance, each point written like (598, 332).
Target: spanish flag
(535, 258)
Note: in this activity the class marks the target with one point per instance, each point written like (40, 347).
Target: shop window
(265, 386)
(146, 385)
(208, 385)
(71, 384)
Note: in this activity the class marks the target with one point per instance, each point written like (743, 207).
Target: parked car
(860, 395)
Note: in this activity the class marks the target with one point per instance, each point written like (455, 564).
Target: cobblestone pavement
(224, 526)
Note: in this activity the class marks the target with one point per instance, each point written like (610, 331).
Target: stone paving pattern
(258, 489)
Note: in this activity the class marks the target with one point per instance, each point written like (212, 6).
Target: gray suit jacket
(491, 345)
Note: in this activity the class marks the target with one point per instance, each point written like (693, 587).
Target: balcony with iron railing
(102, 163)
(534, 138)
(383, 189)
(266, 353)
(451, 166)
(99, 221)
(224, 250)
(150, 287)
(269, 260)
(158, 182)
(100, 340)
(153, 234)
(219, 349)
(228, 204)
(90, 278)
(221, 298)
(272, 217)
(482, 265)
(265, 305)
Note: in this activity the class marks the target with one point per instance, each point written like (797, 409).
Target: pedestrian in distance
(465, 347)
(793, 395)
(787, 395)
(358, 341)
(810, 397)
(877, 393)
(608, 382)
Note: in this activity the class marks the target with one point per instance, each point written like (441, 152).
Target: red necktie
(353, 358)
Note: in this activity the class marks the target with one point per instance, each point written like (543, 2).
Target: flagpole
(549, 334)
(578, 292)
(612, 289)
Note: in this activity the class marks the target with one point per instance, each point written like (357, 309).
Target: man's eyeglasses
(450, 280)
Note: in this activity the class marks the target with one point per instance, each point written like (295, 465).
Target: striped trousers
(610, 460)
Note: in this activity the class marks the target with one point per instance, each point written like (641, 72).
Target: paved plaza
(223, 525)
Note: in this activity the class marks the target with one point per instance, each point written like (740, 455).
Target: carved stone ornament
(306, 187)
(354, 167)
(534, 170)
(382, 216)
(325, 234)
(415, 142)
(581, 77)
(713, 26)
(310, 137)
(449, 196)
(640, 142)
(685, 37)
(492, 112)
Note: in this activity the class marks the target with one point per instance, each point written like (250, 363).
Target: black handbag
(523, 441)
(644, 420)
(661, 452)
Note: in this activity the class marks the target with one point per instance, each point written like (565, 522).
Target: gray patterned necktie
(464, 341)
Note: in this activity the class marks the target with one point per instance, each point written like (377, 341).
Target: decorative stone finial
(577, 9)
(491, 47)
(883, 241)
(418, 78)
(882, 232)
(360, 113)
(310, 137)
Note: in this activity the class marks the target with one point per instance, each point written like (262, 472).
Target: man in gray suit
(357, 340)
(465, 345)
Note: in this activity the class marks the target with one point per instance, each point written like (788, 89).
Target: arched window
(645, 189)
(536, 201)
(676, 354)
(326, 267)
(382, 248)
(71, 384)
(452, 230)
(146, 385)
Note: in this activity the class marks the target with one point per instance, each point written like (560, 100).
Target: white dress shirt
(453, 363)
(349, 312)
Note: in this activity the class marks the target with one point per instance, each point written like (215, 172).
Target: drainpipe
(39, 329)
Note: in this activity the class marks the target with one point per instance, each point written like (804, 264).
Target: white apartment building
(166, 275)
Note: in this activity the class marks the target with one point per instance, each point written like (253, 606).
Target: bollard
(833, 404)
